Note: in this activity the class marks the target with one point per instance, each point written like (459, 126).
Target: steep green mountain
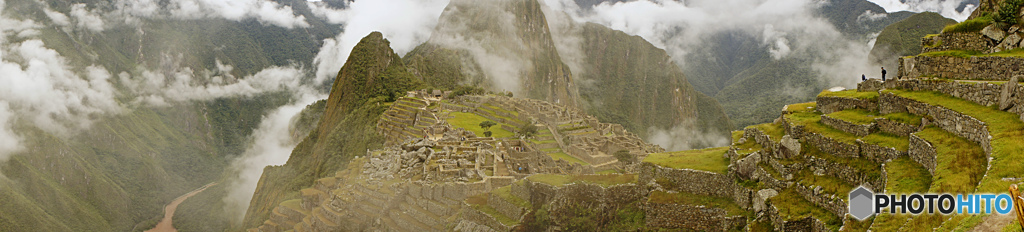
(622, 79)
(501, 45)
(373, 76)
(903, 38)
(117, 174)
(633, 83)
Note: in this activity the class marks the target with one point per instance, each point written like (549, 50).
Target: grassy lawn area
(960, 163)
(775, 132)
(887, 140)
(812, 123)
(605, 180)
(709, 159)
(829, 184)
(506, 193)
(907, 176)
(736, 135)
(748, 147)
(792, 206)
(802, 107)
(858, 116)
(683, 198)
(471, 122)
(851, 93)
(1006, 129)
(562, 156)
(973, 25)
(965, 54)
(905, 118)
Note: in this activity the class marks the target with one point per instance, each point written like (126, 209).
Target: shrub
(528, 130)
(623, 156)
(972, 25)
(487, 134)
(1009, 11)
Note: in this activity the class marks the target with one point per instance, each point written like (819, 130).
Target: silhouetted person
(863, 78)
(883, 73)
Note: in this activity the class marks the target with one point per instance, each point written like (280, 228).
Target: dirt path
(165, 224)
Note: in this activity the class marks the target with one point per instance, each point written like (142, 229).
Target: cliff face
(502, 45)
(372, 76)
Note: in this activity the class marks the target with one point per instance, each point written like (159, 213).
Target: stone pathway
(165, 224)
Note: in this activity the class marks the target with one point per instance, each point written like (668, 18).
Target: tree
(623, 156)
(487, 133)
(528, 130)
(486, 125)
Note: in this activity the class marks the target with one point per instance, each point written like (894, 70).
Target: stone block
(1006, 99)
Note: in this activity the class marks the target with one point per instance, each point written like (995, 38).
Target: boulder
(1010, 42)
(791, 146)
(761, 196)
(1006, 97)
(993, 32)
(745, 167)
(1014, 29)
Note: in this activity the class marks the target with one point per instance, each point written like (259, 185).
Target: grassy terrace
(907, 176)
(871, 169)
(479, 202)
(965, 54)
(852, 93)
(1006, 129)
(471, 122)
(710, 159)
(858, 116)
(605, 180)
(792, 206)
(684, 198)
(802, 107)
(736, 135)
(812, 123)
(905, 118)
(828, 183)
(887, 140)
(748, 147)
(562, 156)
(506, 193)
(960, 163)
(775, 132)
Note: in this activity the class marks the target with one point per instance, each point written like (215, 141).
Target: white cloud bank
(947, 8)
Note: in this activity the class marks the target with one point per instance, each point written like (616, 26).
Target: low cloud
(272, 144)
(264, 11)
(683, 137)
(947, 8)
(159, 88)
(85, 18)
(871, 16)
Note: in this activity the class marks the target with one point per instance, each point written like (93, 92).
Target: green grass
(736, 135)
(1005, 128)
(888, 140)
(972, 25)
(774, 131)
(748, 147)
(960, 163)
(471, 122)
(802, 107)
(812, 123)
(605, 180)
(858, 116)
(770, 170)
(792, 206)
(906, 176)
(952, 53)
(487, 209)
(567, 157)
(851, 93)
(506, 193)
(871, 169)
(684, 198)
(709, 159)
(905, 118)
(828, 183)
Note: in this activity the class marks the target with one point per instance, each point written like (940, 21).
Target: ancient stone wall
(831, 145)
(471, 214)
(961, 68)
(878, 154)
(969, 41)
(698, 182)
(923, 152)
(828, 104)
(834, 203)
(690, 217)
(957, 123)
(848, 127)
(505, 207)
(894, 127)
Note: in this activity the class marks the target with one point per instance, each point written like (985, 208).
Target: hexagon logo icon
(860, 202)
